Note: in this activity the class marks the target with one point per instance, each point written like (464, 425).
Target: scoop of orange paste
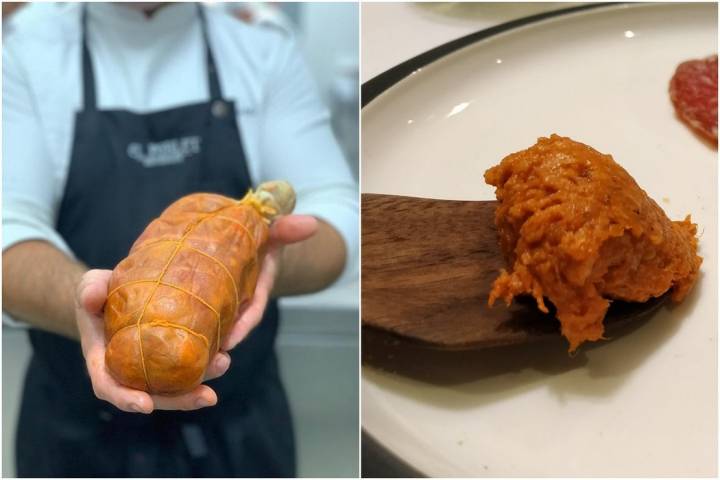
(577, 229)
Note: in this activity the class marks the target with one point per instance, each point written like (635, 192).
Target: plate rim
(379, 84)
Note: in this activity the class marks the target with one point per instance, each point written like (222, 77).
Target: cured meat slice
(694, 93)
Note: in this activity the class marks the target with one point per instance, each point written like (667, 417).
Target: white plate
(645, 404)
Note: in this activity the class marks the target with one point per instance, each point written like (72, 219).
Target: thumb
(92, 290)
(293, 228)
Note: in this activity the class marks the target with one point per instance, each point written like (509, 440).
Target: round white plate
(644, 404)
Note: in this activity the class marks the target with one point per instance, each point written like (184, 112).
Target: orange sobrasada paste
(577, 229)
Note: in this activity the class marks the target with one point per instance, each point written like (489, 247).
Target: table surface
(395, 32)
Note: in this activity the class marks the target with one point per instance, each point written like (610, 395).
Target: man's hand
(91, 295)
(286, 230)
(90, 298)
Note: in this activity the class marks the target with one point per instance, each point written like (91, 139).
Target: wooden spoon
(427, 269)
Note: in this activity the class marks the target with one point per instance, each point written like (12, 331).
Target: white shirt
(144, 65)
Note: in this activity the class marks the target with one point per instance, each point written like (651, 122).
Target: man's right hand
(90, 297)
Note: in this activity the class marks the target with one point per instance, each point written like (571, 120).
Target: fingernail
(202, 402)
(223, 362)
(135, 407)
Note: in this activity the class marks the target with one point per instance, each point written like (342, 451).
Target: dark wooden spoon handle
(427, 269)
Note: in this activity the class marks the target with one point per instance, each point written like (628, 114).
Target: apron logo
(167, 152)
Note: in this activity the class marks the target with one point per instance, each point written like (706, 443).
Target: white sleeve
(29, 177)
(298, 145)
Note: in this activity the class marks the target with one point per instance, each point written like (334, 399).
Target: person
(110, 113)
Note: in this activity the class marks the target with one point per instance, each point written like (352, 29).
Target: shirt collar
(168, 17)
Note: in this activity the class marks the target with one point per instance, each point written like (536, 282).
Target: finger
(202, 396)
(252, 313)
(108, 389)
(130, 400)
(92, 334)
(92, 290)
(93, 286)
(92, 331)
(293, 228)
(218, 366)
(248, 319)
(241, 329)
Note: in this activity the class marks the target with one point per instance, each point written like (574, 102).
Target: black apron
(124, 170)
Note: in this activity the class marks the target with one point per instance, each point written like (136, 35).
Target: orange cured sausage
(172, 301)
